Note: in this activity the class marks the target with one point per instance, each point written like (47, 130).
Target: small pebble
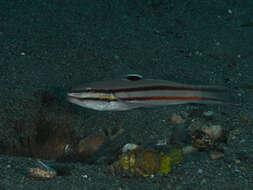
(203, 181)
(237, 171)
(208, 113)
(189, 149)
(129, 147)
(214, 155)
(200, 171)
(175, 118)
(215, 131)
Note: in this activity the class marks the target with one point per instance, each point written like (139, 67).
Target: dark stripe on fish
(148, 88)
(147, 98)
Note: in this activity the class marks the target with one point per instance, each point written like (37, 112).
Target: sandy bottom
(48, 47)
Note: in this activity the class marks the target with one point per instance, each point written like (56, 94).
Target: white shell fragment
(129, 147)
(208, 113)
(43, 172)
(215, 131)
(38, 173)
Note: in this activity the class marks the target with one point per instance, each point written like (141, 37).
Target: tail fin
(214, 95)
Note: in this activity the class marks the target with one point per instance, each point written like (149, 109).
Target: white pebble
(200, 171)
(208, 113)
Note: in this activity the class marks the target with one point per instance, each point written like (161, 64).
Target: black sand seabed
(57, 44)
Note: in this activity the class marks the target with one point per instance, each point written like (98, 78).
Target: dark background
(53, 45)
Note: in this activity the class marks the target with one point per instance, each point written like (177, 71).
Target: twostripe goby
(134, 92)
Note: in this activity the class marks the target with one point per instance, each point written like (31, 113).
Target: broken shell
(202, 140)
(176, 155)
(165, 165)
(189, 149)
(146, 162)
(43, 172)
(139, 163)
(214, 155)
(215, 131)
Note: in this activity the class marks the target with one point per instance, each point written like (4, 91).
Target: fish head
(100, 95)
(96, 99)
(89, 99)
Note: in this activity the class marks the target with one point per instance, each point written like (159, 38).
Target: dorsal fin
(133, 77)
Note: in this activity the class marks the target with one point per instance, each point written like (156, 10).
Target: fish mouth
(71, 97)
(91, 97)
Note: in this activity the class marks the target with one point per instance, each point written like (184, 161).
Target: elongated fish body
(135, 92)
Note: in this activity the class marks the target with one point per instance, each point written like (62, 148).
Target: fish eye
(133, 77)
